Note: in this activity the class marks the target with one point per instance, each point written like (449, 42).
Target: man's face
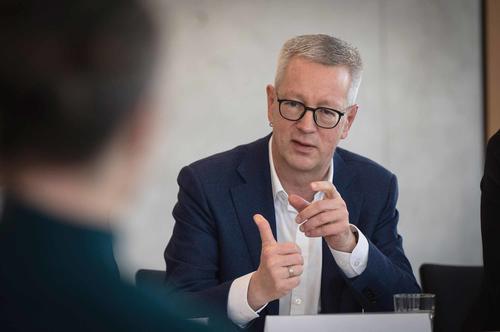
(302, 145)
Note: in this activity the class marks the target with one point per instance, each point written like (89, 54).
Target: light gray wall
(420, 108)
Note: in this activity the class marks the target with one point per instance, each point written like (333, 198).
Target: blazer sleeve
(388, 270)
(191, 255)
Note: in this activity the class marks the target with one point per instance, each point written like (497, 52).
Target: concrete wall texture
(420, 108)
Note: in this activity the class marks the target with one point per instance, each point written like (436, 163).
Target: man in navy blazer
(291, 224)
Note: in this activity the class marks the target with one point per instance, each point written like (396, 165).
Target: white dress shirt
(305, 298)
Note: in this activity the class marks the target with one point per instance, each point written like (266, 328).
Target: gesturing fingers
(325, 230)
(326, 187)
(266, 234)
(288, 260)
(298, 202)
(272, 258)
(324, 218)
(319, 207)
(328, 218)
(279, 269)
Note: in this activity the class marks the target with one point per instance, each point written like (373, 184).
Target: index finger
(266, 234)
(326, 187)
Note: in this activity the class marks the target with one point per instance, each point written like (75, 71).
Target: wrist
(255, 299)
(348, 242)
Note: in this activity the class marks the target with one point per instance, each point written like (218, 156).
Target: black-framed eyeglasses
(324, 117)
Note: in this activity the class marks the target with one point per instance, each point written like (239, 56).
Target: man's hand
(327, 218)
(281, 265)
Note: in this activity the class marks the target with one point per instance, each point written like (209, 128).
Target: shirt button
(298, 301)
(356, 263)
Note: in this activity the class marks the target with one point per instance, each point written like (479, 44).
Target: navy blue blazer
(215, 239)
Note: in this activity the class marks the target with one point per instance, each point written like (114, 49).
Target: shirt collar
(275, 181)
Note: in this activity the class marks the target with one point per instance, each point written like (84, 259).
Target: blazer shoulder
(227, 161)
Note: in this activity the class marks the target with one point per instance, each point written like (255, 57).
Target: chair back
(457, 289)
(147, 277)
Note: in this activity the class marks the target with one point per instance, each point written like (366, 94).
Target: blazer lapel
(343, 178)
(342, 175)
(254, 196)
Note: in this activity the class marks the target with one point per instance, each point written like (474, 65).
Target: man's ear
(349, 119)
(271, 101)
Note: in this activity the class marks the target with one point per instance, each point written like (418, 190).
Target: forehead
(314, 82)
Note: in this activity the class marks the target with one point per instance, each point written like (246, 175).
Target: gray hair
(326, 50)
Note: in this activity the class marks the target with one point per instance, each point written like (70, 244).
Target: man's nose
(307, 123)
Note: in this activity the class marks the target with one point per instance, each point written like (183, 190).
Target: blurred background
(421, 108)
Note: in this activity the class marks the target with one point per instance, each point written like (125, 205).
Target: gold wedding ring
(290, 272)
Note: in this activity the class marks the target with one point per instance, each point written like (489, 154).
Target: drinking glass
(420, 302)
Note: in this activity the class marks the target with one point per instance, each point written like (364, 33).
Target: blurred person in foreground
(73, 131)
(485, 314)
(291, 224)
(490, 231)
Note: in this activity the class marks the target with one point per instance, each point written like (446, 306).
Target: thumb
(298, 202)
(266, 234)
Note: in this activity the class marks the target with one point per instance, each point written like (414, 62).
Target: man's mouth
(304, 146)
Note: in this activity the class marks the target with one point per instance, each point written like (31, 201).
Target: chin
(303, 164)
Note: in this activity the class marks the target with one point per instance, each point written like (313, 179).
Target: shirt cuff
(238, 309)
(353, 264)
